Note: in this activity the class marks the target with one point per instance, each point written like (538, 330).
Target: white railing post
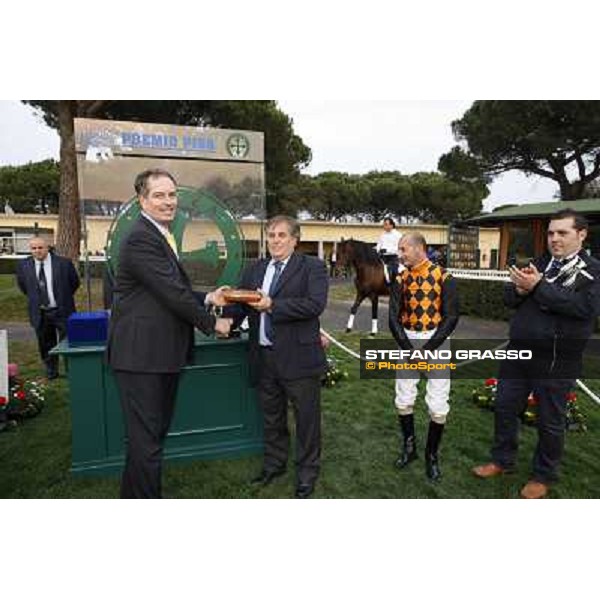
(4, 363)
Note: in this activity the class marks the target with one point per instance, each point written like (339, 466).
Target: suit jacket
(65, 282)
(299, 299)
(154, 310)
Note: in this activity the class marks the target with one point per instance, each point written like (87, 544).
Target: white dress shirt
(166, 232)
(263, 340)
(388, 241)
(562, 261)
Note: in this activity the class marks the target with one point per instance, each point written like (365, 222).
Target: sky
(353, 136)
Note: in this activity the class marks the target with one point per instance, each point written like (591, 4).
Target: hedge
(482, 299)
(8, 266)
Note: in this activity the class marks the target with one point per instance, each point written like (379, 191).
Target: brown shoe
(488, 470)
(534, 490)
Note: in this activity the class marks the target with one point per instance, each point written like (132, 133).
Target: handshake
(223, 296)
(223, 327)
(216, 298)
(226, 295)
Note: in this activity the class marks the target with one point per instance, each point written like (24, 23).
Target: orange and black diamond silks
(422, 296)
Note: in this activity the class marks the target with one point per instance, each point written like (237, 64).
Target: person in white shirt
(387, 248)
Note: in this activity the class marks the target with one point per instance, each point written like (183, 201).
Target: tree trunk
(577, 190)
(69, 222)
(571, 191)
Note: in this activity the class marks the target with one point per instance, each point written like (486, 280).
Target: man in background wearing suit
(49, 282)
(286, 356)
(151, 332)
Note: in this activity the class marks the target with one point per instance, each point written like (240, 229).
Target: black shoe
(52, 375)
(432, 467)
(304, 490)
(409, 444)
(406, 458)
(409, 453)
(267, 477)
(434, 436)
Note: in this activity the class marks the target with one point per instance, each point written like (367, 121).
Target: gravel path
(335, 318)
(336, 314)
(19, 331)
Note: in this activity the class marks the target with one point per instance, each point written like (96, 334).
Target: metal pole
(86, 256)
(263, 216)
(263, 213)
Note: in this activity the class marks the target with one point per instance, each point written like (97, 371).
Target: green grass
(13, 304)
(360, 444)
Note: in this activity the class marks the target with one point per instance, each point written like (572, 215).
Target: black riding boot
(409, 445)
(434, 435)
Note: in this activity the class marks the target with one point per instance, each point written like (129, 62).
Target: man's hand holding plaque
(217, 298)
(232, 296)
(263, 303)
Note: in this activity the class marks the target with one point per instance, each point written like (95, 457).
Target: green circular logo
(238, 145)
(211, 255)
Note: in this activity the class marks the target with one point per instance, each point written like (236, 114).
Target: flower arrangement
(334, 374)
(486, 398)
(575, 418)
(25, 399)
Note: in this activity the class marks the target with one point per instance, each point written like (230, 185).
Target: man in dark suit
(151, 331)
(286, 357)
(49, 282)
(557, 302)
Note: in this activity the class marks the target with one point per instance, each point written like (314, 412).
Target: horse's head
(367, 265)
(345, 253)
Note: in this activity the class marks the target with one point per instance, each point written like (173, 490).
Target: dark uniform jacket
(557, 320)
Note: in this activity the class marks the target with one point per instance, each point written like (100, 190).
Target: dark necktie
(268, 320)
(43, 287)
(554, 269)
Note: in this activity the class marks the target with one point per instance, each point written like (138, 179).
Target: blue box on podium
(84, 328)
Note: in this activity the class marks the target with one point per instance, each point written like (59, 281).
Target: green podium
(216, 415)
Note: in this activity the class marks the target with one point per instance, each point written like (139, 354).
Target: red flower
(571, 397)
(491, 381)
(20, 395)
(532, 400)
(3, 400)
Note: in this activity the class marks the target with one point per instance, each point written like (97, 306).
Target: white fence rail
(481, 274)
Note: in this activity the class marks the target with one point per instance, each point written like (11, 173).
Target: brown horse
(370, 279)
